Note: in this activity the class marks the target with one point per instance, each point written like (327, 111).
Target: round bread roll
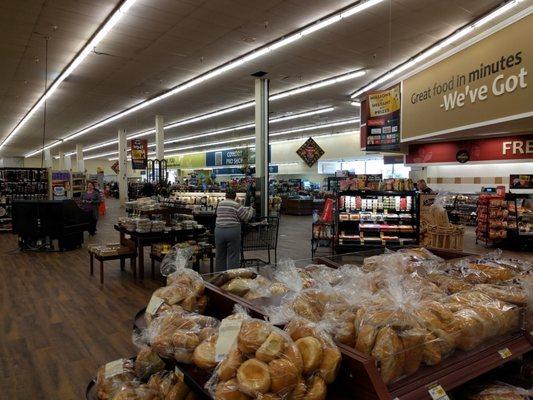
(271, 347)
(201, 304)
(228, 367)
(229, 391)
(316, 389)
(299, 391)
(204, 355)
(311, 351)
(185, 340)
(331, 362)
(298, 329)
(252, 335)
(178, 392)
(292, 354)
(173, 294)
(283, 375)
(189, 303)
(238, 286)
(253, 377)
(206, 333)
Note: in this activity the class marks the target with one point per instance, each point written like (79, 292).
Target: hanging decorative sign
(383, 120)
(462, 156)
(115, 168)
(310, 152)
(139, 153)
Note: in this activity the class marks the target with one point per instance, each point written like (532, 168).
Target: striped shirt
(230, 214)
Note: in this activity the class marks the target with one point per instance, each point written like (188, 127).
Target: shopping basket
(260, 235)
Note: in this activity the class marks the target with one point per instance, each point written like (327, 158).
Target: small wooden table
(139, 241)
(122, 257)
(208, 251)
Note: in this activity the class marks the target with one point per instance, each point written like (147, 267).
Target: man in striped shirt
(230, 214)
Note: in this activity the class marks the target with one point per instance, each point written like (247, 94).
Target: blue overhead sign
(231, 157)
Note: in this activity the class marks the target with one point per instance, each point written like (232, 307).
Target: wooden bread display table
(139, 241)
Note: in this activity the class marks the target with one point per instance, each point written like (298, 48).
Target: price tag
(154, 304)
(227, 334)
(114, 368)
(437, 392)
(179, 373)
(505, 353)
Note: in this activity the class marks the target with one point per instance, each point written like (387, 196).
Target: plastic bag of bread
(113, 376)
(170, 386)
(190, 297)
(147, 363)
(140, 392)
(502, 391)
(222, 278)
(177, 258)
(259, 361)
(509, 293)
(324, 360)
(178, 335)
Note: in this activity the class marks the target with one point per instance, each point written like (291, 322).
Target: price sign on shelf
(437, 392)
(505, 353)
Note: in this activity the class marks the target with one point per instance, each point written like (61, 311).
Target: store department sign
(139, 153)
(485, 83)
(486, 149)
(383, 120)
(230, 157)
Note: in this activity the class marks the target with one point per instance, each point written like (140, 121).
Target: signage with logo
(139, 153)
(310, 152)
(488, 82)
(273, 169)
(521, 181)
(230, 157)
(462, 156)
(115, 167)
(486, 149)
(383, 120)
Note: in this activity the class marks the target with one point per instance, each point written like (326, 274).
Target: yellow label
(505, 353)
(153, 305)
(114, 368)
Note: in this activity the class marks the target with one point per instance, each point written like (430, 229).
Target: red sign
(489, 149)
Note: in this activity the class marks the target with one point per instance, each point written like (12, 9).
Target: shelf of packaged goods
(375, 193)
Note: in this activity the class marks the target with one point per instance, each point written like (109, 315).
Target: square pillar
(79, 158)
(47, 158)
(68, 163)
(123, 167)
(261, 145)
(159, 138)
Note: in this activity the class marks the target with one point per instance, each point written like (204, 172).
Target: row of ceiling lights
(282, 42)
(275, 45)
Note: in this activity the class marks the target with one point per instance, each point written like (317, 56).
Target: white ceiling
(161, 43)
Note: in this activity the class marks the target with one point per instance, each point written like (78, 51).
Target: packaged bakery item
(140, 392)
(114, 376)
(262, 361)
(177, 336)
(147, 363)
(177, 258)
(222, 278)
(502, 391)
(170, 386)
(509, 293)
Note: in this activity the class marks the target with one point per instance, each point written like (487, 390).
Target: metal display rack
(374, 221)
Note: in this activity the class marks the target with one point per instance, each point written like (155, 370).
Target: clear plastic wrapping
(266, 363)
(501, 391)
(177, 258)
(113, 377)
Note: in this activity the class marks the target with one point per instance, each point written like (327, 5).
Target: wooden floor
(58, 325)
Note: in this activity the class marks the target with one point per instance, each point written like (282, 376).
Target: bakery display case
(367, 218)
(492, 219)
(520, 220)
(462, 209)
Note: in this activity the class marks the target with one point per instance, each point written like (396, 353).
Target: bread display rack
(366, 219)
(359, 376)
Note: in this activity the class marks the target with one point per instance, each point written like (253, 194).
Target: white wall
(488, 174)
(90, 165)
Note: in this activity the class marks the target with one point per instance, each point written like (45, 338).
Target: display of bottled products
(385, 203)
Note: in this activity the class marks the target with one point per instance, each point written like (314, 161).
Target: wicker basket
(446, 237)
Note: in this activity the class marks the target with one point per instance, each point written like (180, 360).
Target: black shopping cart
(260, 235)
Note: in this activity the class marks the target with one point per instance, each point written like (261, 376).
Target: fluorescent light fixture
(245, 138)
(51, 145)
(227, 110)
(313, 27)
(438, 46)
(88, 48)
(355, 103)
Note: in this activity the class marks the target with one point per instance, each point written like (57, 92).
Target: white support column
(159, 138)
(61, 161)
(80, 163)
(47, 158)
(123, 167)
(261, 144)
(68, 163)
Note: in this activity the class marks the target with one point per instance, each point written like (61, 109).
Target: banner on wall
(484, 84)
(273, 169)
(383, 120)
(139, 153)
(486, 149)
(310, 152)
